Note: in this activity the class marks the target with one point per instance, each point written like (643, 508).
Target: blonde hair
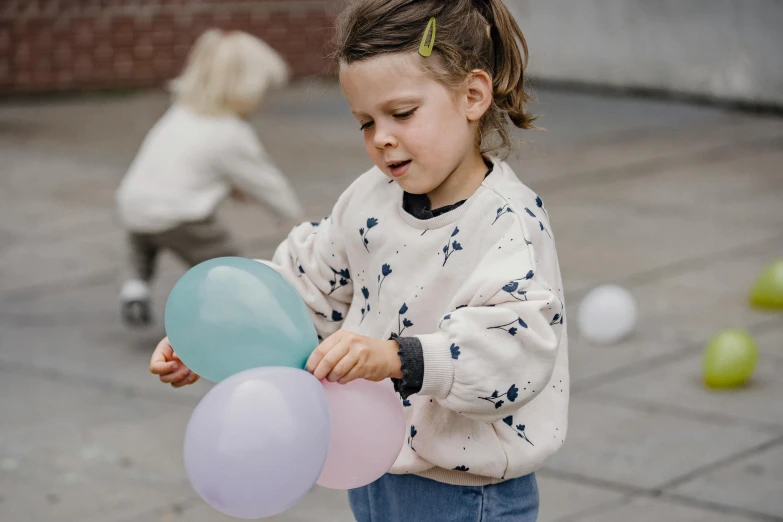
(228, 72)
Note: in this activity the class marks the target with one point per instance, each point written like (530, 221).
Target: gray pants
(192, 242)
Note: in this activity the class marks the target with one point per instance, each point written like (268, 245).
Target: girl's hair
(228, 73)
(470, 34)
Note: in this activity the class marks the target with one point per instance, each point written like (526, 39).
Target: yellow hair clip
(425, 49)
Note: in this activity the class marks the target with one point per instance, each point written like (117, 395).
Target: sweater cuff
(412, 365)
(438, 365)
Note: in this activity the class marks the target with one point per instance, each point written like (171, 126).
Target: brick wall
(69, 45)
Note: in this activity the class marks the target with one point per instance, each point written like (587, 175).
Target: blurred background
(661, 165)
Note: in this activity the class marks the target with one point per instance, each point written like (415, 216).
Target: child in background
(201, 151)
(449, 281)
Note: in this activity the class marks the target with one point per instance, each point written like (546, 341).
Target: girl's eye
(405, 115)
(399, 116)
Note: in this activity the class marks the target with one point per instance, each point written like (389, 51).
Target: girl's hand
(345, 356)
(167, 365)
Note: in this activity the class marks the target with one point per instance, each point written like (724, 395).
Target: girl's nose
(383, 138)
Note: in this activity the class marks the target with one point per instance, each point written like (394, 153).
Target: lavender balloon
(257, 441)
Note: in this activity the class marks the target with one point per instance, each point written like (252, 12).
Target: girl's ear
(478, 90)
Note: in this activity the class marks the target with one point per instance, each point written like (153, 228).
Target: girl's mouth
(399, 169)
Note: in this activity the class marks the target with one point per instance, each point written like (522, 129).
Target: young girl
(437, 267)
(199, 152)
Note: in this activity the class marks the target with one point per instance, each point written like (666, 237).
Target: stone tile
(574, 118)
(324, 504)
(58, 406)
(588, 362)
(249, 222)
(655, 510)
(644, 449)
(64, 445)
(754, 483)
(93, 304)
(671, 318)
(744, 190)
(686, 315)
(320, 504)
(551, 167)
(123, 443)
(42, 220)
(102, 357)
(598, 242)
(32, 172)
(733, 273)
(48, 494)
(668, 385)
(25, 265)
(560, 498)
(57, 412)
(83, 127)
(39, 205)
(770, 341)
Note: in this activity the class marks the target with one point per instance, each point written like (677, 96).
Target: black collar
(418, 205)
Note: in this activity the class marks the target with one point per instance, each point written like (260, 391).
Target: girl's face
(415, 130)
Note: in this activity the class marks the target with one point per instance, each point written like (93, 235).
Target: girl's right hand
(167, 365)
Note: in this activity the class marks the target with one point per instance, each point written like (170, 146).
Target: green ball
(767, 291)
(729, 359)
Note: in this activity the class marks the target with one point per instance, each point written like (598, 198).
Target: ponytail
(510, 61)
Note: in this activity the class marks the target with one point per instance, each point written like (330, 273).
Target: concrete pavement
(682, 205)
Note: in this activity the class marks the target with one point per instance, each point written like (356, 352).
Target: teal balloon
(230, 314)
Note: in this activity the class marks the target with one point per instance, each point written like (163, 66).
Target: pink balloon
(367, 433)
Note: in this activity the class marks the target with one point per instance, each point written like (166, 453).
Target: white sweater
(480, 287)
(188, 163)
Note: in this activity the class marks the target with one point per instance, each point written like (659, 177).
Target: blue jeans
(409, 498)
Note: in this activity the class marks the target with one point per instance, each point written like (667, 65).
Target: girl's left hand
(345, 356)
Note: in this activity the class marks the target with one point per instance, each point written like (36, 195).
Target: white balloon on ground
(607, 314)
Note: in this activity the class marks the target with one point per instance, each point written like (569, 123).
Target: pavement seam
(713, 154)
(645, 277)
(720, 463)
(719, 508)
(676, 411)
(679, 267)
(588, 480)
(633, 492)
(658, 361)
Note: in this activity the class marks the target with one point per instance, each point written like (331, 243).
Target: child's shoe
(135, 303)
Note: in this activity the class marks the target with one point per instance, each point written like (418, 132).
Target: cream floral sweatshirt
(479, 287)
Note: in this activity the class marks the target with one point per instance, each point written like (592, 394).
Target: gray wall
(724, 49)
